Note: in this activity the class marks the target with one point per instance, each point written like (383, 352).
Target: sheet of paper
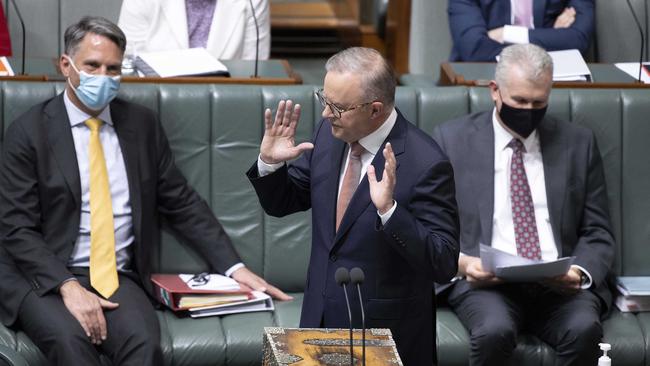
(5, 67)
(215, 282)
(512, 268)
(260, 302)
(569, 65)
(632, 69)
(193, 61)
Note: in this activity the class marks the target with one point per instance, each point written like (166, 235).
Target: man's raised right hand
(88, 309)
(278, 144)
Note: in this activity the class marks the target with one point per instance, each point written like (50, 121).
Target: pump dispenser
(604, 360)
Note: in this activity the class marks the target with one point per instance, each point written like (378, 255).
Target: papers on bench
(188, 62)
(208, 294)
(5, 67)
(512, 268)
(634, 293)
(569, 65)
(259, 301)
(632, 69)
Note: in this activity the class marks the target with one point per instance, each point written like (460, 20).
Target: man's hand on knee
(87, 308)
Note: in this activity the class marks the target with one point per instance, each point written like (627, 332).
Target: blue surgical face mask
(95, 91)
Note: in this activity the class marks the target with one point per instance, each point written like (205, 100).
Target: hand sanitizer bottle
(604, 360)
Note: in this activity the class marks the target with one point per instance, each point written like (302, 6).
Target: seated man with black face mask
(532, 186)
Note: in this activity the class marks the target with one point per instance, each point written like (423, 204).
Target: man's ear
(494, 90)
(64, 65)
(377, 109)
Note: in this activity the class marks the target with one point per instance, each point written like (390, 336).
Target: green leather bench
(215, 132)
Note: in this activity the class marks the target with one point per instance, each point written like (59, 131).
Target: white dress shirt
(120, 198)
(118, 180)
(503, 233)
(515, 33)
(371, 143)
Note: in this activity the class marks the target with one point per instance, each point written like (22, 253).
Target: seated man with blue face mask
(85, 179)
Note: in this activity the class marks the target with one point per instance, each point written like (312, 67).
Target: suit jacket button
(333, 257)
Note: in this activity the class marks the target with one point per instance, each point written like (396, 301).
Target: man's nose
(327, 112)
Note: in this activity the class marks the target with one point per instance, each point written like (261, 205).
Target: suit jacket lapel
(227, 14)
(481, 140)
(361, 198)
(554, 158)
(539, 7)
(62, 145)
(174, 11)
(127, 137)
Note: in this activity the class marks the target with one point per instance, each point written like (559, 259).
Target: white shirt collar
(77, 116)
(373, 141)
(502, 137)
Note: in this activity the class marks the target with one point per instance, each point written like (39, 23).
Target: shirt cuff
(385, 217)
(587, 283)
(515, 34)
(58, 289)
(233, 269)
(266, 169)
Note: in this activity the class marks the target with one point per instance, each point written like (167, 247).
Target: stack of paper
(188, 292)
(634, 293)
(569, 65)
(188, 62)
(512, 268)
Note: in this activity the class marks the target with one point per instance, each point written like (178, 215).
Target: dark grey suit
(40, 203)
(578, 211)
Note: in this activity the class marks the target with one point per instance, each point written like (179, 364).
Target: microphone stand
(342, 277)
(257, 39)
(638, 24)
(357, 277)
(22, 25)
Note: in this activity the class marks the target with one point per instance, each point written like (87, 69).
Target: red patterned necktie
(523, 210)
(350, 181)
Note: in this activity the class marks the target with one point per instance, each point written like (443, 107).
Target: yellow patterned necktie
(103, 268)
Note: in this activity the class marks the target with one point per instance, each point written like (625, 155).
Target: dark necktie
(350, 181)
(523, 210)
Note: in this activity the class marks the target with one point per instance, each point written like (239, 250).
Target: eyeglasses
(199, 279)
(336, 110)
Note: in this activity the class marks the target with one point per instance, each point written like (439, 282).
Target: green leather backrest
(215, 131)
(46, 21)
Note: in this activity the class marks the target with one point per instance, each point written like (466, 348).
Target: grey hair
(377, 76)
(531, 58)
(75, 33)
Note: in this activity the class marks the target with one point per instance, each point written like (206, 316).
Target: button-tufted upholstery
(215, 132)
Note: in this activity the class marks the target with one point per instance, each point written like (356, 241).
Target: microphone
(22, 25)
(342, 277)
(638, 24)
(356, 278)
(257, 38)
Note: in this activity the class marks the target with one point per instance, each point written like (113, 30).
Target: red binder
(170, 289)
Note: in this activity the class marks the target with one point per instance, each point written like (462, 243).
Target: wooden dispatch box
(321, 346)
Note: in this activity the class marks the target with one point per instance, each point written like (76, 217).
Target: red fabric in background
(5, 41)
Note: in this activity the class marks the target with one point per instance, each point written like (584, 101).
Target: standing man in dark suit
(84, 182)
(480, 29)
(398, 222)
(532, 186)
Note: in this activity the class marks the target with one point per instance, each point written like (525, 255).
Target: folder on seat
(179, 293)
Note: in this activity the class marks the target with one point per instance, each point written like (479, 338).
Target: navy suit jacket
(401, 259)
(470, 21)
(575, 189)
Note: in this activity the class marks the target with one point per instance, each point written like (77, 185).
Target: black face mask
(521, 121)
